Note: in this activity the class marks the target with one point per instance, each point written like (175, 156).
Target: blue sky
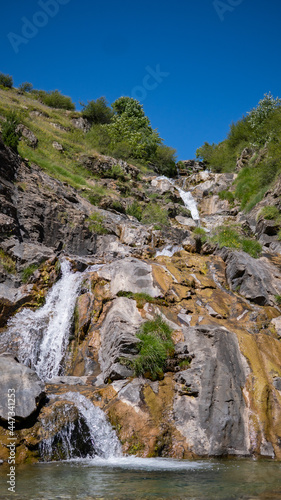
(212, 60)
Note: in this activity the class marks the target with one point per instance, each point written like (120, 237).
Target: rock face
(23, 383)
(258, 283)
(209, 407)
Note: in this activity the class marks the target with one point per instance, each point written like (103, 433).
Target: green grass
(228, 236)
(155, 347)
(7, 262)
(141, 298)
(155, 214)
(269, 213)
(135, 210)
(227, 195)
(28, 272)
(96, 223)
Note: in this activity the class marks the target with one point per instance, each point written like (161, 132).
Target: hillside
(157, 299)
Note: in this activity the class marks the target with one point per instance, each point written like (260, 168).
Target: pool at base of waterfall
(125, 478)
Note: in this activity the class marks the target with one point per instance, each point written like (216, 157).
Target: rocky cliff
(219, 392)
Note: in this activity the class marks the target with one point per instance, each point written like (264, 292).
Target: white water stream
(104, 440)
(187, 198)
(43, 335)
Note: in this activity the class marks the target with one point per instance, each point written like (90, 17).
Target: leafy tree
(6, 80)
(164, 161)
(9, 135)
(258, 118)
(97, 111)
(130, 125)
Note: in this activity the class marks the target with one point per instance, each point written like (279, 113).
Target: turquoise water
(134, 478)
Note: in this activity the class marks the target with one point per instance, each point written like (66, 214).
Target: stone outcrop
(24, 386)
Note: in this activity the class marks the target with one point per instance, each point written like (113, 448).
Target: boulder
(81, 123)
(118, 338)
(58, 146)
(28, 135)
(24, 383)
(255, 279)
(209, 406)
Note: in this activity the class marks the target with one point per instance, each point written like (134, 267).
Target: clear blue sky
(216, 67)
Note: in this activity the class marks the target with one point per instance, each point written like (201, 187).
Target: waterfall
(42, 335)
(187, 198)
(102, 439)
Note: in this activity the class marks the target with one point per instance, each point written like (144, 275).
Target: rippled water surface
(135, 478)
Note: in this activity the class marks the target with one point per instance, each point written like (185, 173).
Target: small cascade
(169, 251)
(42, 335)
(187, 198)
(93, 433)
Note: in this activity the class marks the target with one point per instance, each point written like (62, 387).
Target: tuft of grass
(278, 299)
(28, 272)
(184, 364)
(227, 195)
(96, 223)
(141, 298)
(7, 262)
(155, 347)
(155, 214)
(135, 210)
(270, 212)
(200, 233)
(227, 236)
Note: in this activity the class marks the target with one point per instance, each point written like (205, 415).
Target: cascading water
(43, 334)
(187, 198)
(102, 440)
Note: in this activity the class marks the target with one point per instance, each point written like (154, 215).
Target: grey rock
(186, 221)
(118, 338)
(81, 123)
(130, 275)
(277, 383)
(27, 387)
(68, 380)
(59, 147)
(27, 134)
(209, 407)
(255, 279)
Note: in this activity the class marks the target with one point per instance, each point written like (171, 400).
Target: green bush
(54, 99)
(135, 210)
(155, 347)
(9, 135)
(164, 161)
(226, 195)
(26, 87)
(6, 80)
(98, 111)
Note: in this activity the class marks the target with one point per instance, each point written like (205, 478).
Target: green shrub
(116, 172)
(97, 111)
(278, 299)
(269, 213)
(155, 347)
(6, 80)
(164, 161)
(28, 272)
(252, 247)
(54, 99)
(155, 214)
(26, 87)
(135, 210)
(96, 221)
(9, 135)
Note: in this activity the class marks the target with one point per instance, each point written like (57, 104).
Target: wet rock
(24, 383)
(209, 408)
(186, 221)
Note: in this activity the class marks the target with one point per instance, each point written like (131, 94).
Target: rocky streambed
(220, 390)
